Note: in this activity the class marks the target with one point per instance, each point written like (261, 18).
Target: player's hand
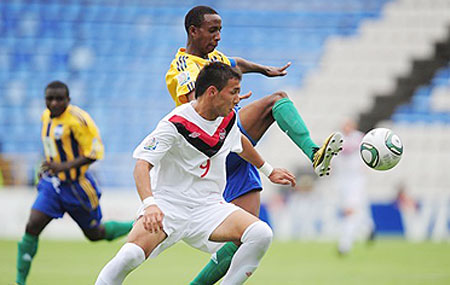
(152, 219)
(245, 96)
(51, 167)
(283, 177)
(272, 71)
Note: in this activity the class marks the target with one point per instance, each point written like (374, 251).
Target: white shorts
(193, 225)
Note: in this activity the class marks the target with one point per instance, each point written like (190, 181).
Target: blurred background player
(203, 26)
(71, 143)
(351, 182)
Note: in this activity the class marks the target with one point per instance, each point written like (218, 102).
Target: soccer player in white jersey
(183, 199)
(351, 183)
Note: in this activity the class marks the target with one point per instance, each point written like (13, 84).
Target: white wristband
(266, 169)
(148, 202)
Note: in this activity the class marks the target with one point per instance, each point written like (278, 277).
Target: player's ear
(212, 90)
(192, 30)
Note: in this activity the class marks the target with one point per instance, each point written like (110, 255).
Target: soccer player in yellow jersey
(71, 143)
(203, 26)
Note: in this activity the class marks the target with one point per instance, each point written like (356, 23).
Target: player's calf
(126, 260)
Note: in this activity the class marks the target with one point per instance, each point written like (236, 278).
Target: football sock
(115, 229)
(290, 122)
(27, 248)
(217, 266)
(126, 260)
(349, 226)
(255, 242)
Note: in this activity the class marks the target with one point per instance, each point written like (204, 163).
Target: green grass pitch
(385, 262)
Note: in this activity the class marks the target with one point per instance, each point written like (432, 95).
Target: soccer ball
(381, 149)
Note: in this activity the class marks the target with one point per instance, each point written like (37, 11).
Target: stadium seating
(114, 54)
(355, 69)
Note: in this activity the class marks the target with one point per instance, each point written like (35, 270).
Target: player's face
(207, 36)
(228, 97)
(56, 100)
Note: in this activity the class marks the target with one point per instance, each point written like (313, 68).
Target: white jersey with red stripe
(188, 153)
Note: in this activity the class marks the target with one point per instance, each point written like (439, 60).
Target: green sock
(290, 122)
(115, 229)
(27, 248)
(217, 266)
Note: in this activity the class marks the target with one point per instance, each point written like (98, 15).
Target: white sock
(255, 242)
(126, 260)
(349, 227)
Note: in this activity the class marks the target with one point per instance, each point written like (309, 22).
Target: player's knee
(132, 255)
(126, 260)
(277, 96)
(259, 233)
(280, 95)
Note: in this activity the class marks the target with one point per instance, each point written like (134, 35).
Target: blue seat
(127, 76)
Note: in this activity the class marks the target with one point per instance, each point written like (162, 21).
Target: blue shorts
(242, 177)
(79, 199)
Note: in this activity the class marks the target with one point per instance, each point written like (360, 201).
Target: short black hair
(195, 16)
(57, 84)
(216, 74)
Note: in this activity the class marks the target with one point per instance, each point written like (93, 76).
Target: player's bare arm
(277, 175)
(153, 216)
(55, 167)
(246, 66)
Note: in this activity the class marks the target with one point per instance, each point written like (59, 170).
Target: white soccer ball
(381, 149)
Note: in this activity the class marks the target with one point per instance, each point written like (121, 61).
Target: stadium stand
(114, 54)
(400, 58)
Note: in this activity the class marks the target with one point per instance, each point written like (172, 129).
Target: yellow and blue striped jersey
(68, 136)
(184, 69)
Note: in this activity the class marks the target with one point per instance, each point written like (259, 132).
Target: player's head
(203, 25)
(221, 84)
(348, 126)
(57, 98)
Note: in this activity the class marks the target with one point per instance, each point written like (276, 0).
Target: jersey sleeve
(236, 139)
(232, 62)
(154, 147)
(185, 78)
(87, 135)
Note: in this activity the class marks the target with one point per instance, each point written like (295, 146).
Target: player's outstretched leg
(322, 157)
(258, 116)
(290, 122)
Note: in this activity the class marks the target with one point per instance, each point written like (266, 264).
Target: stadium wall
(430, 220)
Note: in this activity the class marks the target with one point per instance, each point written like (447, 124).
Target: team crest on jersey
(183, 78)
(58, 132)
(222, 134)
(151, 144)
(194, 135)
